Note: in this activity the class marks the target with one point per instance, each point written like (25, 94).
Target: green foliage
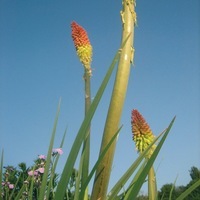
(194, 173)
(179, 191)
(195, 176)
(17, 181)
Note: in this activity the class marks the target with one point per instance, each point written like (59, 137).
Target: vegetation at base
(17, 176)
(165, 190)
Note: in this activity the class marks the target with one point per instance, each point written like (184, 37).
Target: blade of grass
(172, 189)
(132, 194)
(54, 169)
(117, 187)
(97, 163)
(189, 190)
(48, 160)
(82, 132)
(78, 179)
(61, 145)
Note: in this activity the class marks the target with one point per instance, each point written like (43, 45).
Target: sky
(39, 65)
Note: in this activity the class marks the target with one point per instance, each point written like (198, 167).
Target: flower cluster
(7, 182)
(82, 45)
(142, 134)
(57, 151)
(40, 163)
(13, 178)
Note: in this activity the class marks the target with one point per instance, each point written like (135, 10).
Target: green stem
(117, 101)
(84, 161)
(86, 144)
(152, 186)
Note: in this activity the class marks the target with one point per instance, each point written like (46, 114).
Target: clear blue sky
(38, 65)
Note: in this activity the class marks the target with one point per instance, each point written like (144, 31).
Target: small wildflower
(11, 186)
(57, 151)
(142, 134)
(82, 45)
(32, 173)
(42, 157)
(40, 170)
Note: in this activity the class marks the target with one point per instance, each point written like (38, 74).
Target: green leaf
(54, 168)
(189, 190)
(61, 145)
(132, 194)
(81, 134)
(172, 189)
(48, 160)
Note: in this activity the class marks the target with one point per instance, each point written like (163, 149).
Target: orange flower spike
(82, 45)
(142, 134)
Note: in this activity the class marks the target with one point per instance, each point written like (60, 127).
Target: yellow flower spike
(142, 134)
(82, 45)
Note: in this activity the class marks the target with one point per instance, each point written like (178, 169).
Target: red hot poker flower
(82, 45)
(142, 134)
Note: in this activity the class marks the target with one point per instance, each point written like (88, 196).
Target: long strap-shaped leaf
(132, 194)
(53, 169)
(83, 131)
(48, 160)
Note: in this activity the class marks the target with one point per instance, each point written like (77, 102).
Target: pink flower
(11, 186)
(41, 170)
(42, 157)
(32, 173)
(58, 150)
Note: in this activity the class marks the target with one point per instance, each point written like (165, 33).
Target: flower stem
(152, 186)
(117, 101)
(86, 144)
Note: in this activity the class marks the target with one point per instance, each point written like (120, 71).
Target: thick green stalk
(152, 186)
(117, 101)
